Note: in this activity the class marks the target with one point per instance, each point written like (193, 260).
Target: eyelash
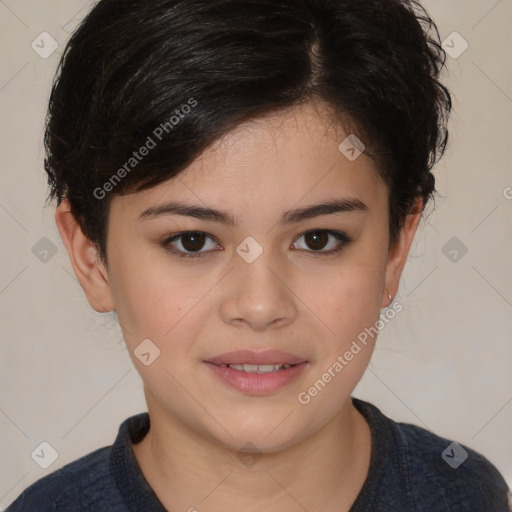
(343, 238)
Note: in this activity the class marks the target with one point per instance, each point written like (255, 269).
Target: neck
(187, 470)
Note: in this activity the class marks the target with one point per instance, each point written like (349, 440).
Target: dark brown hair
(183, 73)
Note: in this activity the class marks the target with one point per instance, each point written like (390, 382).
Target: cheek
(153, 305)
(153, 299)
(348, 299)
(349, 305)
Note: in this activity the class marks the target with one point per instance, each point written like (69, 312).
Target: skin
(315, 456)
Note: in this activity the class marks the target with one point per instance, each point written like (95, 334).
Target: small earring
(390, 299)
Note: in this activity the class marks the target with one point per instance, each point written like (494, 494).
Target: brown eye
(191, 243)
(319, 239)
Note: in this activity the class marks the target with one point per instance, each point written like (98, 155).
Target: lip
(256, 383)
(251, 357)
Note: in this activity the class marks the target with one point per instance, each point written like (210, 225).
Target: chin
(260, 435)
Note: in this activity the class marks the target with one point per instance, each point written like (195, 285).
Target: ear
(84, 256)
(399, 251)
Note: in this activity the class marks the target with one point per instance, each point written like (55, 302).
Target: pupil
(197, 241)
(319, 236)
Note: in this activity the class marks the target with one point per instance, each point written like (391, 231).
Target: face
(306, 285)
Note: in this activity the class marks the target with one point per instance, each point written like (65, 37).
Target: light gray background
(442, 363)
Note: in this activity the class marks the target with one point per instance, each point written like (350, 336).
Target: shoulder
(100, 480)
(450, 475)
(425, 471)
(78, 483)
(104, 480)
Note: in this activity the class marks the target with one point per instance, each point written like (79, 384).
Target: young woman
(241, 181)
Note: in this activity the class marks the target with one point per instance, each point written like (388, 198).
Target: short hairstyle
(174, 76)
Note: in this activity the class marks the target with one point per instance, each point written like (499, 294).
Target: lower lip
(257, 383)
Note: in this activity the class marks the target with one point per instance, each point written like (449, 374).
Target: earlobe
(83, 255)
(399, 251)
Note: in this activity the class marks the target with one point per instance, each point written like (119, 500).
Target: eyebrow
(223, 217)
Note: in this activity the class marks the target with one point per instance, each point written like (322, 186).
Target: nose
(259, 295)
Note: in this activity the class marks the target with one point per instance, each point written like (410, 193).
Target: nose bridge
(261, 295)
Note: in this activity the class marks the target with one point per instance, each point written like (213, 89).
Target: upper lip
(258, 358)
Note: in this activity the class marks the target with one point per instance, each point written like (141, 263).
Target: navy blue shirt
(411, 470)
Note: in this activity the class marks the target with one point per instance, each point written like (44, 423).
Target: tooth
(262, 368)
(250, 367)
(267, 368)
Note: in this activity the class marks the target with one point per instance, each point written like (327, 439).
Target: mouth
(257, 372)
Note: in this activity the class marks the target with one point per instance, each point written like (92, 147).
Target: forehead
(296, 138)
(279, 160)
